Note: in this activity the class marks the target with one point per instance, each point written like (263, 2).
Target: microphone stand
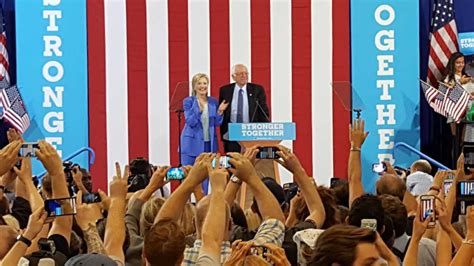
(261, 109)
(179, 112)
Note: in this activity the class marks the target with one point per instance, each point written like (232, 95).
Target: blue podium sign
(466, 43)
(262, 131)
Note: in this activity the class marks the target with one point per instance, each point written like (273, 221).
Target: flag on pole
(429, 91)
(443, 39)
(14, 110)
(456, 102)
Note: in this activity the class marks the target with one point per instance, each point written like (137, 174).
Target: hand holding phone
(175, 173)
(91, 198)
(28, 149)
(60, 207)
(223, 162)
(428, 207)
(379, 167)
(268, 153)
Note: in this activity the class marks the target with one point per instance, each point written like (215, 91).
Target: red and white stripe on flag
(443, 43)
(140, 50)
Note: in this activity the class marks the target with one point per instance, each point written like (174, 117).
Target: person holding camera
(203, 114)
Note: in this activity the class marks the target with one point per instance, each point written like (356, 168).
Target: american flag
(444, 39)
(429, 91)
(4, 64)
(14, 111)
(438, 104)
(456, 102)
(140, 50)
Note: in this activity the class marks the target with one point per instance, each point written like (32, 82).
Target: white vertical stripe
(281, 67)
(116, 83)
(240, 45)
(199, 38)
(158, 82)
(321, 46)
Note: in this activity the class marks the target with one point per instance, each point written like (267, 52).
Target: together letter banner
(51, 39)
(385, 71)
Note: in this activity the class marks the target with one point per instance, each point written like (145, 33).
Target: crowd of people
(62, 221)
(315, 225)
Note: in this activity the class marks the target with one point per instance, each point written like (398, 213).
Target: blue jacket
(192, 138)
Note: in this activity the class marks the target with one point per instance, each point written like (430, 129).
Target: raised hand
(276, 255)
(218, 176)
(240, 249)
(9, 156)
(470, 223)
(199, 171)
(251, 154)
(419, 227)
(25, 172)
(242, 167)
(87, 214)
(49, 157)
(290, 161)
(35, 223)
(13, 135)
(460, 173)
(443, 215)
(158, 179)
(222, 107)
(118, 186)
(357, 135)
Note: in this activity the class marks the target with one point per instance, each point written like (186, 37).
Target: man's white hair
(238, 65)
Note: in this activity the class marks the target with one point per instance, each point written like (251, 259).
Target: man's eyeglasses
(242, 74)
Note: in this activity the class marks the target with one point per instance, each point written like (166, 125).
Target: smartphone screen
(28, 149)
(60, 207)
(175, 173)
(447, 185)
(267, 153)
(379, 167)
(91, 197)
(468, 152)
(466, 188)
(427, 208)
(223, 161)
(369, 223)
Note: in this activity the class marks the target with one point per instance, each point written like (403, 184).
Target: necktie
(240, 107)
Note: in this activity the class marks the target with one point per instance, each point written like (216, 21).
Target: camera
(68, 171)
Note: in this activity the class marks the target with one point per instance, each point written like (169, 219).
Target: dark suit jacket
(255, 93)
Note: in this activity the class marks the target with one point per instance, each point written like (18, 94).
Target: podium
(261, 135)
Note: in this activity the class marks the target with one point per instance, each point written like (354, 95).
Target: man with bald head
(420, 179)
(248, 104)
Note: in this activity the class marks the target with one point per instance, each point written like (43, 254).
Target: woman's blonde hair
(195, 80)
(149, 211)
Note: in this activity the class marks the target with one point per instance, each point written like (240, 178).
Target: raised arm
(77, 177)
(86, 217)
(466, 252)
(35, 224)
(306, 184)
(52, 162)
(267, 203)
(419, 229)
(234, 185)
(214, 223)
(192, 119)
(174, 205)
(357, 136)
(115, 227)
(25, 177)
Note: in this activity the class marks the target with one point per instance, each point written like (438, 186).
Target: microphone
(258, 106)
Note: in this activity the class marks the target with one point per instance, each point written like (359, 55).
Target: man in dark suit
(248, 104)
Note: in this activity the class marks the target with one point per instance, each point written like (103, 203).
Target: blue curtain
(436, 139)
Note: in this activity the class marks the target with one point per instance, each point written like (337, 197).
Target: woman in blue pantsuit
(203, 115)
